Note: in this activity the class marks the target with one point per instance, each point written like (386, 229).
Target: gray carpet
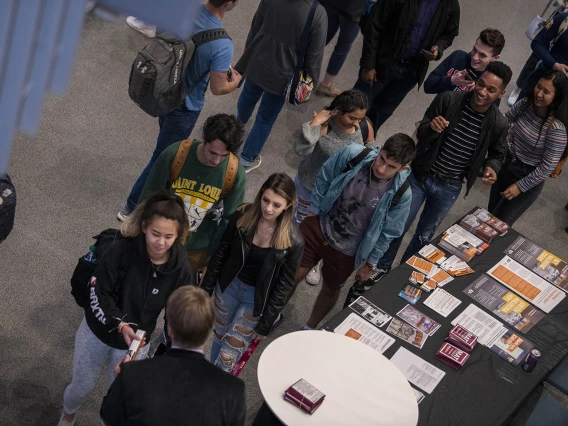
(73, 176)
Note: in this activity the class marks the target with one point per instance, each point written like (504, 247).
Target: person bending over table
(253, 270)
(352, 217)
(537, 142)
(460, 133)
(129, 288)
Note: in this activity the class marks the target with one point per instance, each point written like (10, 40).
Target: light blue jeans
(234, 323)
(88, 360)
(304, 197)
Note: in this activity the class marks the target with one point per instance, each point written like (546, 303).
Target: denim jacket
(386, 223)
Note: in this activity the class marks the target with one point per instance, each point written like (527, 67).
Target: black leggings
(510, 210)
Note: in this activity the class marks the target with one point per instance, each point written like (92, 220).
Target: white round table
(361, 386)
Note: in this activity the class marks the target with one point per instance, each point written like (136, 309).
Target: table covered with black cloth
(487, 390)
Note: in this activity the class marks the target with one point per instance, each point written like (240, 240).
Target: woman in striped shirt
(537, 141)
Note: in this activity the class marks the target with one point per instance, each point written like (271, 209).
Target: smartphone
(198, 276)
(426, 52)
(135, 345)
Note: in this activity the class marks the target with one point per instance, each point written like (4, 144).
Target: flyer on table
(370, 312)
(357, 328)
(417, 371)
(527, 284)
(504, 303)
(541, 262)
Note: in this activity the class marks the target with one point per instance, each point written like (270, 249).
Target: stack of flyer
(452, 356)
(478, 228)
(302, 394)
(462, 243)
(497, 224)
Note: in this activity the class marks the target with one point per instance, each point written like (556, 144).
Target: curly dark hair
(501, 70)
(227, 128)
(349, 101)
(494, 39)
(400, 148)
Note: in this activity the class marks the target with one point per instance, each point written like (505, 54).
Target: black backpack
(156, 82)
(360, 157)
(7, 206)
(81, 279)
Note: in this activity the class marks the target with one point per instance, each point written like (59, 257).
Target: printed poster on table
(418, 320)
(406, 332)
(357, 328)
(541, 262)
(527, 284)
(504, 303)
(370, 312)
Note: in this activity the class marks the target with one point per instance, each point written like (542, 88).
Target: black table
(487, 390)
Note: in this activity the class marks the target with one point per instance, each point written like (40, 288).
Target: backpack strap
(179, 161)
(230, 175)
(356, 160)
(364, 125)
(209, 35)
(398, 195)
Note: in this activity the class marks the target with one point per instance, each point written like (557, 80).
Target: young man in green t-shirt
(200, 184)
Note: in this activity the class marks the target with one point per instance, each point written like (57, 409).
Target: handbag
(537, 23)
(302, 84)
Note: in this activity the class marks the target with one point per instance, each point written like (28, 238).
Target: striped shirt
(459, 146)
(535, 142)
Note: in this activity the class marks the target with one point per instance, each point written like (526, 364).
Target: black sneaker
(378, 274)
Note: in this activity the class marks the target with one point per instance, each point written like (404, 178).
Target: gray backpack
(156, 82)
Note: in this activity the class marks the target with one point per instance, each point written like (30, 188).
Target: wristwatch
(372, 266)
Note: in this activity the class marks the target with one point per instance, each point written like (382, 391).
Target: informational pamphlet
(512, 347)
(357, 328)
(418, 320)
(527, 284)
(504, 303)
(421, 265)
(491, 333)
(419, 396)
(456, 266)
(484, 326)
(417, 371)
(541, 262)
(441, 277)
(404, 331)
(432, 253)
(410, 293)
(442, 302)
(370, 312)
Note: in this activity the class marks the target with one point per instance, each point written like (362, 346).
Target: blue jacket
(386, 223)
(541, 43)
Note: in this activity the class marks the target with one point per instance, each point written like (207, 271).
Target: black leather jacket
(275, 280)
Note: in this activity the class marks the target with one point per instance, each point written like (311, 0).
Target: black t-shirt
(253, 263)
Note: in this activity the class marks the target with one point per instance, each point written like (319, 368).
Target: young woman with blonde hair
(253, 270)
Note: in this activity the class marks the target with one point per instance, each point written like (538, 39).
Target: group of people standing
(347, 209)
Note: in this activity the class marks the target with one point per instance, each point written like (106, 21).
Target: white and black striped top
(458, 147)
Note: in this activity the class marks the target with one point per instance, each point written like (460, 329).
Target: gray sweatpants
(90, 355)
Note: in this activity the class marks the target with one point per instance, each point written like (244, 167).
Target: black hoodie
(123, 288)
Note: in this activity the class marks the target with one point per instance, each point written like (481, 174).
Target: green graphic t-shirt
(200, 188)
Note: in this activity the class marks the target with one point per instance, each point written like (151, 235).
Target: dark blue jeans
(270, 107)
(348, 31)
(386, 96)
(439, 196)
(174, 127)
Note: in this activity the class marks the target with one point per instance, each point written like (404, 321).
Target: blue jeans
(234, 322)
(386, 96)
(174, 127)
(304, 201)
(270, 107)
(348, 31)
(440, 196)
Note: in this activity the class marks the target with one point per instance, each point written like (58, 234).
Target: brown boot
(329, 91)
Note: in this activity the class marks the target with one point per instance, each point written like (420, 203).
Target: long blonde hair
(283, 186)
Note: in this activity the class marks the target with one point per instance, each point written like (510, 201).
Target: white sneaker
(314, 276)
(138, 25)
(513, 96)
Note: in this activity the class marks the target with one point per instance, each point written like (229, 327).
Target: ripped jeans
(234, 323)
(304, 196)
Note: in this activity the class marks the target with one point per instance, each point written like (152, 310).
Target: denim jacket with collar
(386, 224)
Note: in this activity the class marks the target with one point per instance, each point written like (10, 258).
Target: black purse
(7, 206)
